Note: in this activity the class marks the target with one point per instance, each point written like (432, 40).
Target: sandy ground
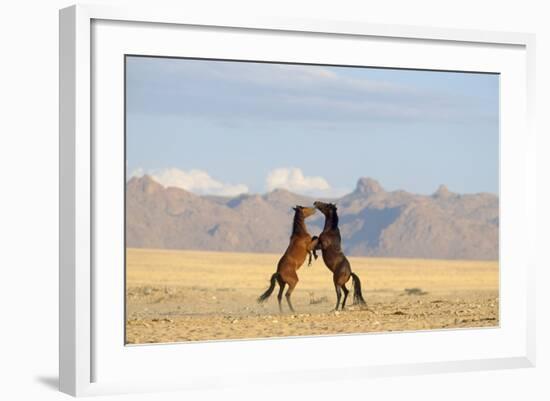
(175, 296)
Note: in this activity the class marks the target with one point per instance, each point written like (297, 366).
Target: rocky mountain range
(373, 221)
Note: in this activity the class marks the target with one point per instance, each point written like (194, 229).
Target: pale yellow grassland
(196, 295)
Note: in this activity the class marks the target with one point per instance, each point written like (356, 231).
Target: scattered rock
(415, 291)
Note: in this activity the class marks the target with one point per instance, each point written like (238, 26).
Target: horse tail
(268, 292)
(357, 294)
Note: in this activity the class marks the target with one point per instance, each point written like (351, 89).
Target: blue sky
(221, 127)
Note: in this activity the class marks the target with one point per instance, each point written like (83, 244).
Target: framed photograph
(244, 200)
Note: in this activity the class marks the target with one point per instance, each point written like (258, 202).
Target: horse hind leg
(291, 286)
(346, 292)
(338, 289)
(280, 294)
(340, 278)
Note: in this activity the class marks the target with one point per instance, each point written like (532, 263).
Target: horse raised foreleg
(309, 254)
(312, 248)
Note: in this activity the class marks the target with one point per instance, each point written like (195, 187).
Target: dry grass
(189, 295)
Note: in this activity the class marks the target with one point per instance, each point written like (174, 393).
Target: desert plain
(177, 296)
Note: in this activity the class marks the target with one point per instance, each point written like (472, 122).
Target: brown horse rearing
(330, 243)
(301, 245)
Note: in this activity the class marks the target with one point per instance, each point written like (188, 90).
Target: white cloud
(293, 179)
(196, 181)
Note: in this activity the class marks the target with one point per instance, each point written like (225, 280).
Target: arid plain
(175, 296)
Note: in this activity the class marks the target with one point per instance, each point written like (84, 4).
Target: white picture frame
(88, 362)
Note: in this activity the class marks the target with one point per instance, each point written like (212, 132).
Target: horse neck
(299, 225)
(331, 221)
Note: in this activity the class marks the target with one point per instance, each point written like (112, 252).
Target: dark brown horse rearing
(300, 246)
(330, 243)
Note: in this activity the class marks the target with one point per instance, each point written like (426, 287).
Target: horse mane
(331, 220)
(335, 217)
(298, 224)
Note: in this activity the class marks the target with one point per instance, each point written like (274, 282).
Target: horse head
(304, 211)
(326, 208)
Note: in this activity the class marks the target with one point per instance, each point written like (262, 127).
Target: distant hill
(373, 221)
